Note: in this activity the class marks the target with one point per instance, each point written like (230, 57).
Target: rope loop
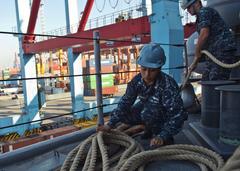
(115, 150)
(198, 155)
(215, 60)
(233, 163)
(87, 155)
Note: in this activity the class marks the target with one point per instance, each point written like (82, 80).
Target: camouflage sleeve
(124, 105)
(204, 18)
(175, 113)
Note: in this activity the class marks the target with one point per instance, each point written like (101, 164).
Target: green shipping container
(107, 81)
(104, 84)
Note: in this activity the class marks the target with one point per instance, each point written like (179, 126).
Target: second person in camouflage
(214, 36)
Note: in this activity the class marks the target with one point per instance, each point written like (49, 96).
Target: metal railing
(125, 14)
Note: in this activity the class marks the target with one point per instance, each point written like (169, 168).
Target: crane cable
(101, 9)
(113, 6)
(132, 156)
(127, 2)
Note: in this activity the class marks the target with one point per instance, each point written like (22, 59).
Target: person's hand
(194, 63)
(104, 128)
(156, 142)
(198, 54)
(197, 57)
(134, 129)
(123, 127)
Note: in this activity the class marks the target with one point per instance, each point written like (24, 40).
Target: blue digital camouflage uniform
(220, 43)
(158, 106)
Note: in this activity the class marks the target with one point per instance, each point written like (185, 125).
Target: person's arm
(124, 105)
(202, 39)
(174, 111)
(204, 24)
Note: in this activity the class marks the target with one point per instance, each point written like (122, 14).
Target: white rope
(215, 60)
(89, 152)
(131, 156)
(233, 163)
(200, 156)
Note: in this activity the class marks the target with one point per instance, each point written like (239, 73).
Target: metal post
(186, 59)
(166, 27)
(144, 8)
(98, 77)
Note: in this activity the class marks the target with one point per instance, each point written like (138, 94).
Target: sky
(54, 16)
(8, 43)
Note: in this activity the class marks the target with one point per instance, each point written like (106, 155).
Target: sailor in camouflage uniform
(152, 98)
(214, 36)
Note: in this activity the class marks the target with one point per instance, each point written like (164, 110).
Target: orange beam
(121, 30)
(103, 44)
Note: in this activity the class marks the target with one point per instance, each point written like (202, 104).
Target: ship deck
(50, 154)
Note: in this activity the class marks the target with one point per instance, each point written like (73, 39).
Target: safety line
(24, 123)
(85, 38)
(83, 75)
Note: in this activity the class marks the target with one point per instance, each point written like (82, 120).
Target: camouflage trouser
(142, 115)
(215, 72)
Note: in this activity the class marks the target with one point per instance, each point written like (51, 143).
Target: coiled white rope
(233, 163)
(190, 153)
(131, 157)
(86, 155)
